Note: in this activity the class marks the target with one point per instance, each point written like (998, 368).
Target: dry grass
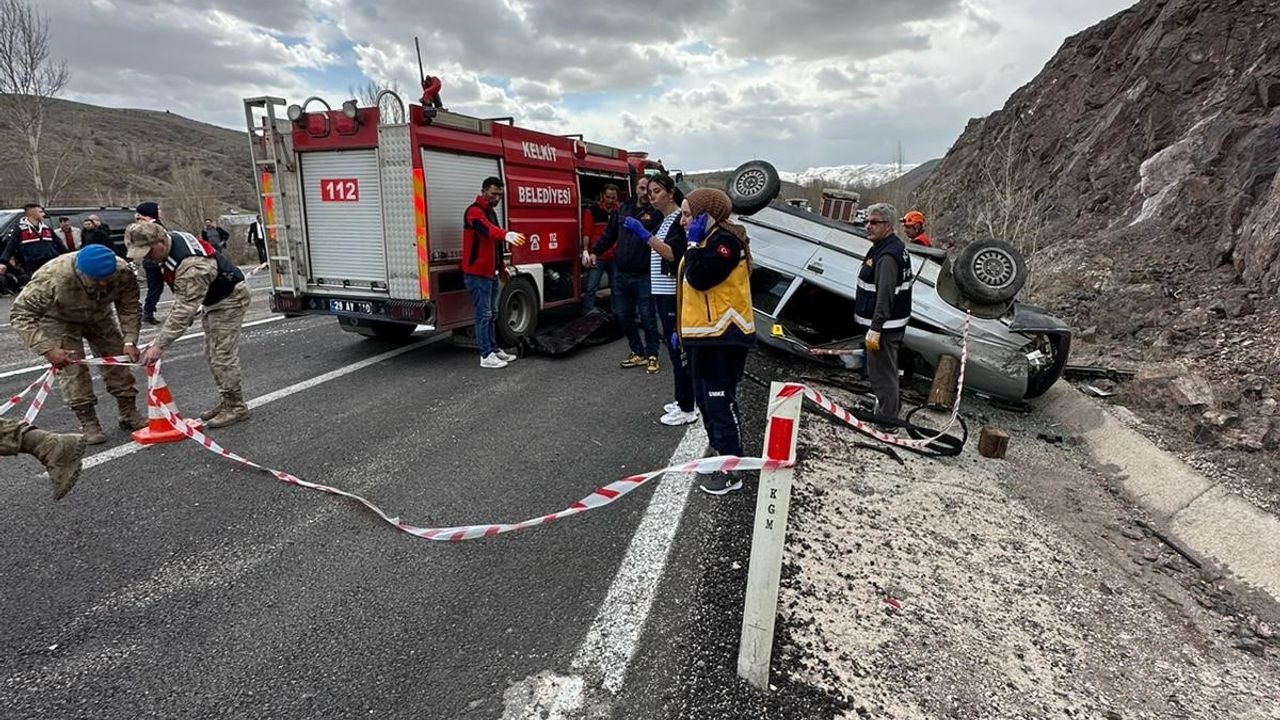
(122, 156)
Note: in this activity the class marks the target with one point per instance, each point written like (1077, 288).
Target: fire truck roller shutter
(453, 182)
(343, 210)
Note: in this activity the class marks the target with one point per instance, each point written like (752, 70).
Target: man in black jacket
(631, 271)
(215, 235)
(96, 232)
(882, 305)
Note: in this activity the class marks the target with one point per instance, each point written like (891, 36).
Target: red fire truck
(364, 217)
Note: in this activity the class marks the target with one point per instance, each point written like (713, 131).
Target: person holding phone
(716, 322)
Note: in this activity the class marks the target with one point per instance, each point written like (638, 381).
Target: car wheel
(517, 312)
(752, 186)
(990, 272)
(377, 329)
(1039, 381)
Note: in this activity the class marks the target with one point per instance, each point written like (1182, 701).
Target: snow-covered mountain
(869, 175)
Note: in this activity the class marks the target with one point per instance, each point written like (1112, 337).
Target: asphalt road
(173, 583)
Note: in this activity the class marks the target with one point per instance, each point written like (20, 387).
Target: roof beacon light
(349, 109)
(295, 113)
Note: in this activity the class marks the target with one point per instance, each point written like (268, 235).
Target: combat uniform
(59, 309)
(199, 275)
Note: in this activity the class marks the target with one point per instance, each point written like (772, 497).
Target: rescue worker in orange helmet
(913, 224)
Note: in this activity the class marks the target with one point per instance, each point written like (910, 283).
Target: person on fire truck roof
(482, 260)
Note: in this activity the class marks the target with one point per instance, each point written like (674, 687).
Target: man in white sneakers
(483, 260)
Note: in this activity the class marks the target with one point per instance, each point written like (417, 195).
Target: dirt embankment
(1138, 172)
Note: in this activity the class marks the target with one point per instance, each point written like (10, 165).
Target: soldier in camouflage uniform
(70, 300)
(199, 275)
(59, 453)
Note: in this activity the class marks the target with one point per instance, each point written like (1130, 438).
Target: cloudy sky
(700, 83)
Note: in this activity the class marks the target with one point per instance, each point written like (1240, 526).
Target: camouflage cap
(139, 237)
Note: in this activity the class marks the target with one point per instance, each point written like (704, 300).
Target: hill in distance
(122, 156)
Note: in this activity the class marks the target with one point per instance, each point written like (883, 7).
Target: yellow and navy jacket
(714, 295)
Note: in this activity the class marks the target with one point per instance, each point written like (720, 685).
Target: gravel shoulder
(960, 588)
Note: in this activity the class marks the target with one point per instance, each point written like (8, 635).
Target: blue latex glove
(697, 231)
(675, 341)
(635, 228)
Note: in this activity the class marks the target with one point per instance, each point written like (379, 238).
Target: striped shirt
(659, 283)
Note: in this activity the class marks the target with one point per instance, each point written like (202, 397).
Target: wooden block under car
(993, 442)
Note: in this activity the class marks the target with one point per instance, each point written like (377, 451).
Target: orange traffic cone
(158, 429)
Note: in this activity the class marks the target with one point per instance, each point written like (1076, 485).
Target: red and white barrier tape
(41, 382)
(597, 499)
(45, 382)
(846, 417)
(256, 270)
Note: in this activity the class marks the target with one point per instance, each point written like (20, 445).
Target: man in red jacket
(595, 219)
(483, 248)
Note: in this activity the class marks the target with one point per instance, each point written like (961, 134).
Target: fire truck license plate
(351, 306)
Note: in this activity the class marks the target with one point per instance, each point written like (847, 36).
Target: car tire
(989, 272)
(377, 329)
(518, 309)
(1038, 383)
(752, 186)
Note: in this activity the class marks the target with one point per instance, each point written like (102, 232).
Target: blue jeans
(602, 267)
(484, 301)
(631, 294)
(666, 308)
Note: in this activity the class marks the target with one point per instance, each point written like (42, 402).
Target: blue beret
(96, 261)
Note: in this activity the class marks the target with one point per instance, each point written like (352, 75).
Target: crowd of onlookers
(679, 273)
(31, 243)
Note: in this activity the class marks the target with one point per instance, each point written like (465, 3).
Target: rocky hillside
(1138, 170)
(120, 156)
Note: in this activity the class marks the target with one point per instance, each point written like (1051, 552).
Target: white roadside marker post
(769, 534)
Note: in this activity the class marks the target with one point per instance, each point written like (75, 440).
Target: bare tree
(391, 111)
(192, 198)
(29, 80)
(1007, 211)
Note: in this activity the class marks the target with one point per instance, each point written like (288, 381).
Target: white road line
(132, 447)
(614, 635)
(42, 368)
(266, 288)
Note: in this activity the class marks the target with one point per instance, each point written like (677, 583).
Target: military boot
(233, 410)
(60, 454)
(214, 411)
(88, 420)
(130, 418)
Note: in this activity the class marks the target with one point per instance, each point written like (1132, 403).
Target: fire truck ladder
(273, 163)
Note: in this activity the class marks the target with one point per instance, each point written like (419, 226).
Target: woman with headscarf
(716, 324)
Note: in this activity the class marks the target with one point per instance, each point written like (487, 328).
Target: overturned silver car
(805, 266)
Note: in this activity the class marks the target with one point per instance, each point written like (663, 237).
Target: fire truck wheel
(752, 186)
(376, 329)
(517, 312)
